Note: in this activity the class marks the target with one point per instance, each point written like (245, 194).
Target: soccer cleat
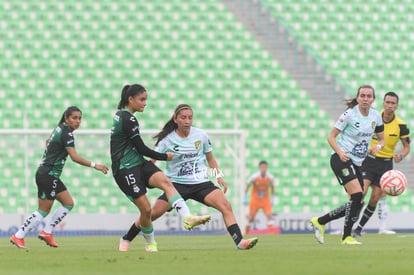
(357, 233)
(123, 245)
(246, 244)
(350, 241)
(48, 238)
(387, 232)
(19, 243)
(319, 229)
(151, 247)
(192, 221)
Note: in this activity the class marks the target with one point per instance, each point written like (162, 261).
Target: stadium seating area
(82, 53)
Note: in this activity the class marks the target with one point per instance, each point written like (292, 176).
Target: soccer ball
(393, 182)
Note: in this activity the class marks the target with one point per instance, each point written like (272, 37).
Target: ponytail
(68, 112)
(170, 125)
(351, 103)
(128, 91)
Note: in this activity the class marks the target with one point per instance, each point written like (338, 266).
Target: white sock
(178, 203)
(56, 218)
(148, 233)
(31, 223)
(383, 211)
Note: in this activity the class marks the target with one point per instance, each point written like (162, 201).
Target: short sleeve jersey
(55, 154)
(394, 130)
(123, 153)
(357, 131)
(189, 165)
(260, 185)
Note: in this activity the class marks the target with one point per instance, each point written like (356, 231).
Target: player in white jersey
(189, 173)
(350, 139)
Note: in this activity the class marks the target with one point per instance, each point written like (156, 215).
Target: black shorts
(346, 171)
(134, 181)
(373, 168)
(48, 186)
(196, 192)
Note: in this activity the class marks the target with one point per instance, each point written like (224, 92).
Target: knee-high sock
(369, 210)
(31, 223)
(178, 203)
(383, 211)
(57, 217)
(132, 233)
(334, 214)
(235, 233)
(148, 233)
(351, 213)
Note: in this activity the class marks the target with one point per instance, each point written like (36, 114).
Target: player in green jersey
(59, 145)
(134, 174)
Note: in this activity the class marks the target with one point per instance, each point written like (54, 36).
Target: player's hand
(374, 149)
(398, 158)
(223, 184)
(343, 156)
(102, 168)
(246, 200)
(170, 155)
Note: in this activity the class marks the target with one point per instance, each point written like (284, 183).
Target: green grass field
(280, 254)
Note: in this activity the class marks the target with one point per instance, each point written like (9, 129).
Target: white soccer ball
(393, 182)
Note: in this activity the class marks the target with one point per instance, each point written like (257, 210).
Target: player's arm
(405, 151)
(272, 187)
(212, 163)
(334, 145)
(78, 159)
(148, 152)
(379, 131)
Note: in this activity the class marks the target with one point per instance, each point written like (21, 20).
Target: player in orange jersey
(260, 198)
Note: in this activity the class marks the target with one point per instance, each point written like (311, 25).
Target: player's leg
(253, 209)
(267, 209)
(145, 221)
(46, 198)
(160, 207)
(159, 180)
(383, 211)
(354, 190)
(370, 209)
(31, 222)
(216, 199)
(57, 217)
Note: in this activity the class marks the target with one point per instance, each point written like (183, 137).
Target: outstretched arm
(78, 159)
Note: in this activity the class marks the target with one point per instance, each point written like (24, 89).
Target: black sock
(369, 210)
(351, 213)
(235, 233)
(334, 214)
(132, 233)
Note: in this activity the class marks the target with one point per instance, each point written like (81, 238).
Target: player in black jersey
(59, 145)
(134, 174)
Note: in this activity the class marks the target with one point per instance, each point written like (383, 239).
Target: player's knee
(357, 197)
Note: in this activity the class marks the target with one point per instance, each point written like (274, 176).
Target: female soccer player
(134, 174)
(260, 197)
(59, 145)
(374, 167)
(189, 173)
(355, 128)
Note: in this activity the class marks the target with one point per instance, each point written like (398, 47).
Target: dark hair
(351, 103)
(68, 112)
(391, 94)
(262, 162)
(127, 91)
(170, 125)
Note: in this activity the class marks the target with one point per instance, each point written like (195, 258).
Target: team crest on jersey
(197, 144)
(373, 124)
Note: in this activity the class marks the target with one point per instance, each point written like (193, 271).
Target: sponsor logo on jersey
(357, 124)
(116, 118)
(132, 119)
(175, 148)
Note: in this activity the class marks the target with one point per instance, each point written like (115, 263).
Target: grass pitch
(280, 254)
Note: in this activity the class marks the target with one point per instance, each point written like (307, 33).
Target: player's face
(137, 103)
(365, 97)
(263, 169)
(74, 120)
(390, 104)
(184, 119)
